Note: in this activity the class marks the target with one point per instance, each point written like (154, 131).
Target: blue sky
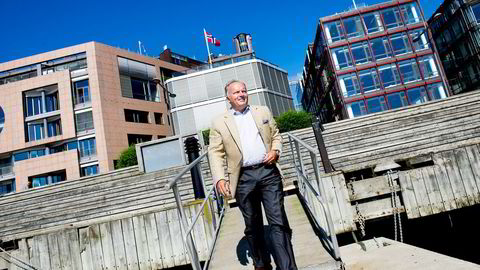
(280, 30)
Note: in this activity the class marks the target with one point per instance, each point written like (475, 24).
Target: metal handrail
(318, 195)
(186, 227)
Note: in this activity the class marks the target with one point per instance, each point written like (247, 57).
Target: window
(7, 186)
(47, 179)
(341, 58)
(436, 91)
(51, 101)
(37, 153)
(54, 127)
(361, 53)
(138, 138)
(84, 121)
(389, 75)
(376, 104)
(417, 95)
(136, 80)
(369, 80)
(411, 13)
(476, 12)
(428, 67)
(2, 119)
(391, 18)
(349, 85)
(397, 100)
(144, 90)
(334, 31)
(72, 145)
(373, 23)
(457, 28)
(35, 131)
(409, 70)
(353, 27)
(21, 156)
(81, 92)
(159, 119)
(34, 105)
(87, 148)
(136, 116)
(356, 109)
(89, 170)
(381, 48)
(400, 44)
(419, 39)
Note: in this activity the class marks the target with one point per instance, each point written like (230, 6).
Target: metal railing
(306, 186)
(6, 170)
(188, 227)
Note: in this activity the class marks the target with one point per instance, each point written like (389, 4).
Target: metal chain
(360, 217)
(397, 221)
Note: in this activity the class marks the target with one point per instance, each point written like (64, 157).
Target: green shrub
(206, 136)
(293, 120)
(127, 158)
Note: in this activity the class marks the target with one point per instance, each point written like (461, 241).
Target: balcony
(82, 102)
(87, 154)
(6, 172)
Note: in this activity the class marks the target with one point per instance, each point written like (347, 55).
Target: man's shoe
(267, 267)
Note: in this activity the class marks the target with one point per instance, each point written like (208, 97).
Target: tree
(127, 158)
(293, 120)
(206, 136)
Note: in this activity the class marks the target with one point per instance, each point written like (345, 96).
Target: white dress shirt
(253, 149)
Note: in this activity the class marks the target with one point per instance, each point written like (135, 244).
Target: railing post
(317, 131)
(192, 251)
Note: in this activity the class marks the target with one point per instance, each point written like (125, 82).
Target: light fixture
(159, 82)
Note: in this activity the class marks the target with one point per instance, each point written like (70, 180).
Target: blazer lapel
(232, 127)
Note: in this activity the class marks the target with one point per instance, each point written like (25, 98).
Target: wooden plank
(153, 241)
(21, 253)
(54, 251)
(74, 245)
(332, 203)
(433, 190)
(176, 237)
(130, 248)
(141, 243)
(466, 173)
(344, 204)
(85, 250)
(378, 208)
(96, 247)
(444, 182)
(424, 206)
(119, 245)
(33, 252)
(409, 199)
(64, 250)
(371, 187)
(165, 239)
(473, 153)
(455, 179)
(43, 252)
(107, 245)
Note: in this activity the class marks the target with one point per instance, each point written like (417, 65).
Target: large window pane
(369, 80)
(373, 22)
(349, 85)
(341, 58)
(353, 27)
(417, 95)
(381, 48)
(84, 121)
(428, 66)
(89, 170)
(436, 91)
(411, 13)
(397, 100)
(356, 109)
(87, 147)
(409, 70)
(35, 131)
(54, 127)
(34, 105)
(400, 44)
(419, 39)
(51, 101)
(376, 104)
(334, 31)
(81, 93)
(476, 12)
(392, 18)
(361, 53)
(389, 75)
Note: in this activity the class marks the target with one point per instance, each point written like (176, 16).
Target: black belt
(253, 167)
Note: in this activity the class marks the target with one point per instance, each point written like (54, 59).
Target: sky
(281, 30)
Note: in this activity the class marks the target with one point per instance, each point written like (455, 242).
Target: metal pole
(208, 48)
(190, 244)
(317, 131)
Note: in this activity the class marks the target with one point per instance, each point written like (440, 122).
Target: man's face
(238, 96)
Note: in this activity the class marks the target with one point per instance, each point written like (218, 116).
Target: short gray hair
(233, 81)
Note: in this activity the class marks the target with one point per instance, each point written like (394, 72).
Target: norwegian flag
(211, 39)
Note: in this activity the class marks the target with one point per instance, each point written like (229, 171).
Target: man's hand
(224, 188)
(271, 157)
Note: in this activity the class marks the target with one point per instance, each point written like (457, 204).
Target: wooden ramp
(230, 251)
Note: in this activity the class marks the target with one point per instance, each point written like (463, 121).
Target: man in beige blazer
(248, 137)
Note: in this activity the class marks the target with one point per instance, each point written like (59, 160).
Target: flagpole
(208, 48)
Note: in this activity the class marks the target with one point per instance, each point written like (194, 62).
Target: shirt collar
(233, 112)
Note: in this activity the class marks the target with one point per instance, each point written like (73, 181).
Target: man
(249, 139)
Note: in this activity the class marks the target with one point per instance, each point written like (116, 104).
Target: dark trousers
(264, 185)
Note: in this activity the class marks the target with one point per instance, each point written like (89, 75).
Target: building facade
(369, 60)
(200, 95)
(455, 28)
(296, 89)
(69, 113)
(178, 59)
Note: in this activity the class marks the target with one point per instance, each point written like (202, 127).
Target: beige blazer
(225, 143)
